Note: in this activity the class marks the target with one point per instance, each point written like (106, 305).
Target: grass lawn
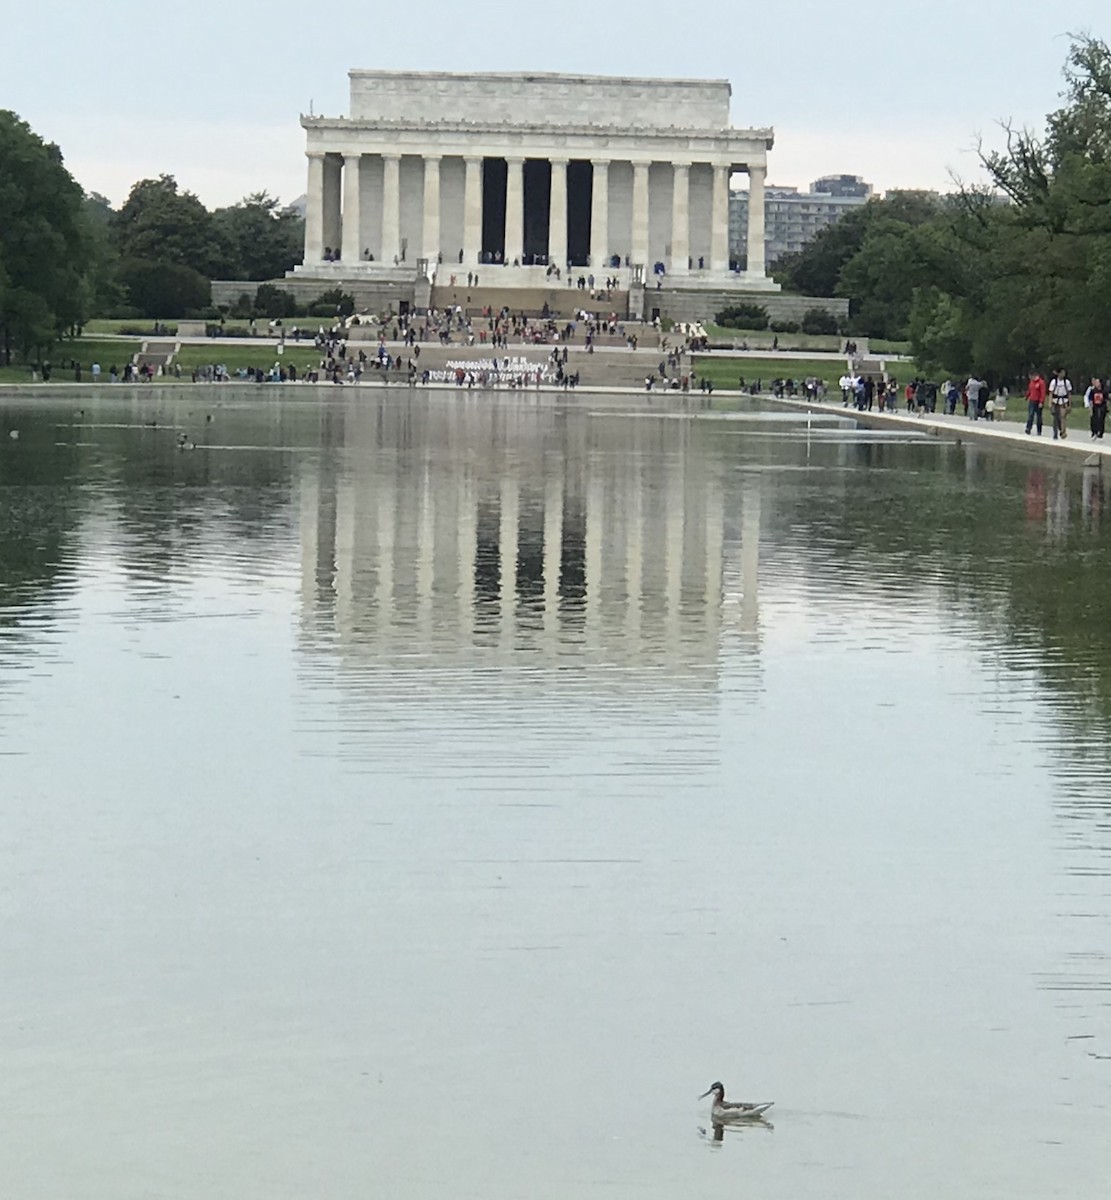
(102, 325)
(761, 339)
(86, 351)
(233, 357)
(725, 372)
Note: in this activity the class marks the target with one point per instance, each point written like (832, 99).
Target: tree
(45, 253)
(1029, 281)
(263, 239)
(872, 257)
(163, 289)
(159, 223)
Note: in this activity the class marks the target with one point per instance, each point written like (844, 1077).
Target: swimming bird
(734, 1110)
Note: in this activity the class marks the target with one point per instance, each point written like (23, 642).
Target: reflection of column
(640, 216)
(426, 560)
(719, 222)
(553, 549)
(314, 210)
(352, 236)
(430, 235)
(346, 527)
(391, 208)
(333, 198)
(675, 505)
(681, 218)
(595, 528)
(715, 546)
(634, 549)
(467, 530)
(384, 593)
(514, 209)
(600, 213)
(472, 211)
(557, 214)
(508, 536)
(756, 253)
(750, 559)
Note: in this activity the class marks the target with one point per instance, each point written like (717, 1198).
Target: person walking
(1095, 400)
(975, 389)
(1060, 392)
(1035, 401)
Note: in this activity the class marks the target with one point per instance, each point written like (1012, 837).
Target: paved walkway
(1078, 444)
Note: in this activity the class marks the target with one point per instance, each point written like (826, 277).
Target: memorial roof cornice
(348, 125)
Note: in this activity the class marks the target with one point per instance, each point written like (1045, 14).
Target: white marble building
(506, 175)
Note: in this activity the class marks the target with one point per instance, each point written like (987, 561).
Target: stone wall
(696, 305)
(369, 295)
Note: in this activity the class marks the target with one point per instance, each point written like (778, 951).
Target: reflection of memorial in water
(444, 530)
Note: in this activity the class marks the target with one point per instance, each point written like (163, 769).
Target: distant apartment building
(794, 218)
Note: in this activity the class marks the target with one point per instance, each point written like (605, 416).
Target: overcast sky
(212, 91)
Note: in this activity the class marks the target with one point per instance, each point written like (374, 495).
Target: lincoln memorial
(513, 180)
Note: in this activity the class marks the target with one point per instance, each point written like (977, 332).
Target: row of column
(320, 231)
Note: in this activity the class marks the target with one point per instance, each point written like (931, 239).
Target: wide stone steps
(561, 301)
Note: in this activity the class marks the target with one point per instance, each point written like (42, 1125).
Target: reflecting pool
(429, 795)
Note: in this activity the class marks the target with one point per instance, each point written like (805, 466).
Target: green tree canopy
(45, 245)
(264, 240)
(1042, 296)
(159, 223)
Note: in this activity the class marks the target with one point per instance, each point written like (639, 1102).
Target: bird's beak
(705, 1093)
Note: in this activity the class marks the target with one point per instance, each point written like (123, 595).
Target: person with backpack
(1060, 392)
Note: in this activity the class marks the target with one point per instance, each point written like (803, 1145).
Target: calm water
(429, 797)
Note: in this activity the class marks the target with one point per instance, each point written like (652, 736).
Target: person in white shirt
(1060, 393)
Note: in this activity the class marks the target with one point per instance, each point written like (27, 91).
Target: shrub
(327, 304)
(817, 320)
(785, 327)
(274, 302)
(743, 316)
(244, 306)
(158, 289)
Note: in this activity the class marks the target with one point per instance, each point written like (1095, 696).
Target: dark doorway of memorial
(580, 185)
(494, 175)
(538, 195)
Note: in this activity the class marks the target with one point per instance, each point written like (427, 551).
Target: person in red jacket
(1035, 401)
(1096, 400)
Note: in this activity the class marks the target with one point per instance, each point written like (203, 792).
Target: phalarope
(734, 1110)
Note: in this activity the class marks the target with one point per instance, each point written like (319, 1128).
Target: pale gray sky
(211, 91)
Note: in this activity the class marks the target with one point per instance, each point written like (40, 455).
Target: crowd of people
(978, 401)
(1058, 393)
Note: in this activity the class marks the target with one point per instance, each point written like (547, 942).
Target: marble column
(352, 238)
(514, 209)
(599, 215)
(391, 208)
(640, 217)
(719, 222)
(333, 199)
(681, 219)
(314, 209)
(557, 214)
(756, 251)
(430, 234)
(472, 211)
